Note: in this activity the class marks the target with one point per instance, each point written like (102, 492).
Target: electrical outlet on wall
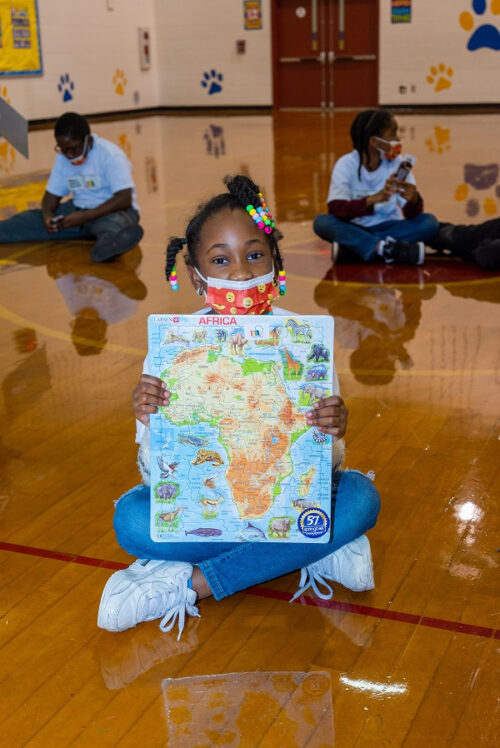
(402, 89)
(413, 89)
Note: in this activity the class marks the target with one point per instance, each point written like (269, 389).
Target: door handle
(301, 59)
(356, 58)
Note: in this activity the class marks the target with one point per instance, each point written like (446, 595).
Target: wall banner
(20, 50)
(400, 11)
(252, 10)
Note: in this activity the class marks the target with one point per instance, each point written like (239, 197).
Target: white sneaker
(350, 565)
(145, 591)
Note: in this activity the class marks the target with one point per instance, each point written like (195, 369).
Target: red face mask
(254, 296)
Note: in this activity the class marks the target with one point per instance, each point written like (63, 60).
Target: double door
(325, 53)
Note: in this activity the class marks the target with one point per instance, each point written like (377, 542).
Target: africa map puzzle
(232, 457)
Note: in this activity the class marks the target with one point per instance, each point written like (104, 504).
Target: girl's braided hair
(365, 124)
(241, 192)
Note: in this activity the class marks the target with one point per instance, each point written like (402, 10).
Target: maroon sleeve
(348, 209)
(412, 210)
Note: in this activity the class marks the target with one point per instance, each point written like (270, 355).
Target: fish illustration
(211, 502)
(209, 482)
(195, 441)
(167, 471)
(204, 532)
(251, 531)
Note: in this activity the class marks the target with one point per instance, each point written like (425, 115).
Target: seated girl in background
(225, 244)
(370, 211)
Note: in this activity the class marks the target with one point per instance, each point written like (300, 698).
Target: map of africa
(232, 457)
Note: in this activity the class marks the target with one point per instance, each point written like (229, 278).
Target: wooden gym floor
(411, 663)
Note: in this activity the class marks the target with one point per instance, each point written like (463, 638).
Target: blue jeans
(364, 239)
(28, 225)
(230, 567)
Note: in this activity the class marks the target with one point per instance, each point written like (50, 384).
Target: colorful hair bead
(173, 279)
(261, 215)
(282, 282)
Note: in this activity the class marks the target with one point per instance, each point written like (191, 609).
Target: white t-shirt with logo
(105, 171)
(345, 184)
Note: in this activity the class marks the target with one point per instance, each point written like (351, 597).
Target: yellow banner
(20, 51)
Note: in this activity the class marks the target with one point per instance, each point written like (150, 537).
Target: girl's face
(231, 248)
(383, 141)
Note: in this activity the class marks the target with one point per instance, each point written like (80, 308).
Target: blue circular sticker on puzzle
(314, 523)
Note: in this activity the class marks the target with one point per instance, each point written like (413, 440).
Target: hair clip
(173, 279)
(282, 282)
(261, 215)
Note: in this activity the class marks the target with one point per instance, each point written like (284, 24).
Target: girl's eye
(255, 255)
(219, 261)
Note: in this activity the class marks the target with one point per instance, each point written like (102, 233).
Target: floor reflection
(283, 709)
(97, 295)
(375, 323)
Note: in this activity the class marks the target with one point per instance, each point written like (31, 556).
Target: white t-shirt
(106, 170)
(345, 184)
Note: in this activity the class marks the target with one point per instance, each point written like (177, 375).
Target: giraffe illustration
(292, 365)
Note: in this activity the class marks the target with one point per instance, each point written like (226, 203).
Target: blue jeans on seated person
(28, 226)
(364, 239)
(231, 567)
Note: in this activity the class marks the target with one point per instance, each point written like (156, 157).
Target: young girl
(370, 210)
(225, 244)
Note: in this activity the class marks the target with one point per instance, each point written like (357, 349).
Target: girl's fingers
(147, 379)
(151, 389)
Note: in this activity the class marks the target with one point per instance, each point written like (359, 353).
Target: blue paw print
(212, 81)
(66, 87)
(486, 35)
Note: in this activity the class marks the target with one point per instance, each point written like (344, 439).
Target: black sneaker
(109, 246)
(403, 253)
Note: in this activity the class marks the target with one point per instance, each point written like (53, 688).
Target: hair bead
(282, 282)
(261, 215)
(173, 279)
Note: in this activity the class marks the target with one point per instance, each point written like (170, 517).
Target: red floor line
(364, 610)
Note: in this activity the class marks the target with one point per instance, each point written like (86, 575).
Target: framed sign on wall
(20, 49)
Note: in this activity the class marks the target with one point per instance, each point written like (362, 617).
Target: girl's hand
(149, 394)
(408, 191)
(385, 193)
(329, 416)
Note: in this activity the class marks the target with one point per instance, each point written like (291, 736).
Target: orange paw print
(119, 81)
(125, 145)
(440, 141)
(476, 179)
(7, 157)
(440, 76)
(4, 94)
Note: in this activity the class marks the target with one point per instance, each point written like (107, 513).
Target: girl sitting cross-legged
(374, 207)
(167, 581)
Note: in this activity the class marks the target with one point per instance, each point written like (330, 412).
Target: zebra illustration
(300, 332)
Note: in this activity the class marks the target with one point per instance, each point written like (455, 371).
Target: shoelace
(154, 606)
(178, 611)
(311, 578)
